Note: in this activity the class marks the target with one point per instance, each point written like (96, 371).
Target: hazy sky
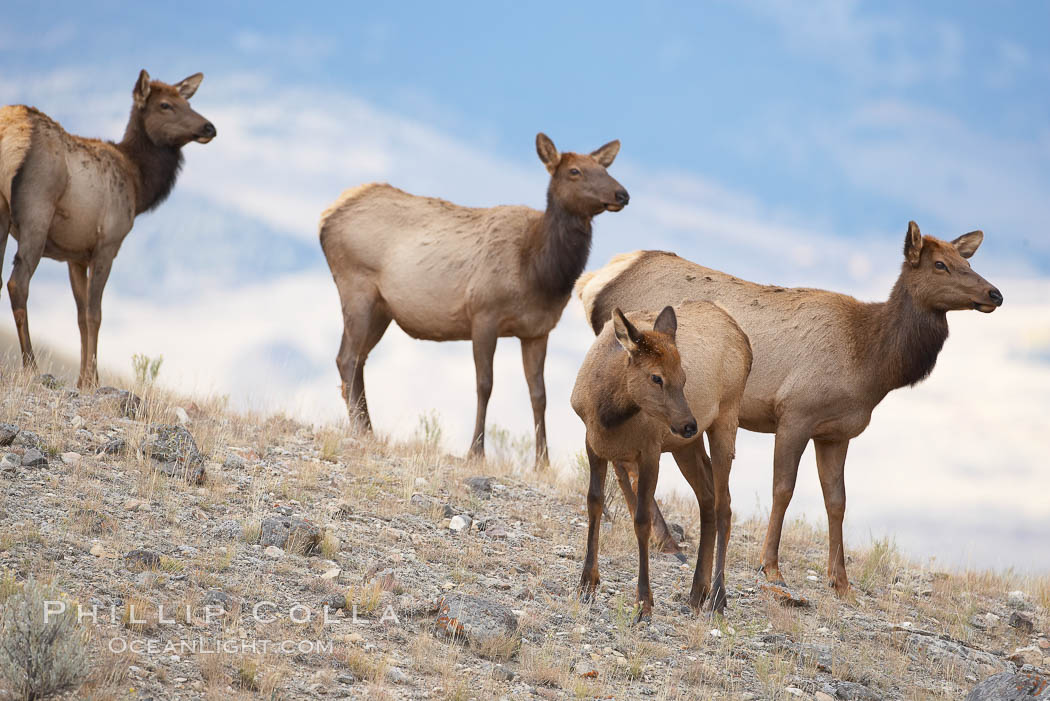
(783, 142)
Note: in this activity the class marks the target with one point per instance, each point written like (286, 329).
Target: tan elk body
(822, 360)
(75, 199)
(445, 272)
(654, 384)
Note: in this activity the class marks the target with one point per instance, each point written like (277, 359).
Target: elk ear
(547, 152)
(913, 244)
(607, 153)
(626, 334)
(667, 322)
(188, 86)
(967, 244)
(141, 91)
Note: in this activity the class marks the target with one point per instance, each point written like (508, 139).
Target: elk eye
(165, 105)
(940, 266)
(574, 171)
(657, 379)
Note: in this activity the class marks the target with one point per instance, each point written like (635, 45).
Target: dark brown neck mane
(158, 166)
(899, 340)
(561, 243)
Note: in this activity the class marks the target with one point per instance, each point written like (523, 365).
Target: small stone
(72, 459)
(99, 551)
(76, 422)
(489, 627)
(145, 580)
(142, 560)
(480, 487)
(114, 446)
(181, 416)
(821, 696)
(1022, 622)
(34, 458)
(331, 574)
(396, 676)
(174, 452)
(991, 620)
(794, 692)
(127, 404)
(501, 673)
(219, 598)
(1044, 644)
(233, 461)
(133, 504)
(811, 578)
(1016, 599)
(229, 530)
(334, 602)
(585, 669)
(715, 633)
(420, 482)
(27, 439)
(48, 380)
(274, 552)
(286, 532)
(10, 462)
(7, 433)
(459, 523)
(355, 638)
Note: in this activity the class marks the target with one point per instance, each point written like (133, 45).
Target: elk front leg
(96, 284)
(648, 473)
(696, 468)
(595, 497)
(831, 463)
(723, 446)
(662, 536)
(787, 451)
(78, 280)
(483, 335)
(533, 355)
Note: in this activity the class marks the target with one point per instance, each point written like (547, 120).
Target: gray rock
(114, 446)
(221, 599)
(142, 560)
(229, 530)
(83, 435)
(7, 433)
(27, 439)
(34, 458)
(334, 602)
(287, 532)
(952, 653)
(174, 452)
(233, 462)
(10, 462)
(501, 673)
(459, 523)
(850, 691)
(1022, 622)
(488, 627)
(677, 532)
(1009, 686)
(48, 380)
(396, 676)
(480, 487)
(127, 404)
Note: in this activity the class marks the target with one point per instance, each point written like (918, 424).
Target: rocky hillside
(210, 544)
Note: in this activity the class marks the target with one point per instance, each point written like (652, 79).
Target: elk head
(166, 114)
(938, 275)
(580, 182)
(653, 375)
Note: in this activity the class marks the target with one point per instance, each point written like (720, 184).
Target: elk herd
(681, 350)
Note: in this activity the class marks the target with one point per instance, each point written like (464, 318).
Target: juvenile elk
(643, 392)
(823, 360)
(446, 273)
(75, 199)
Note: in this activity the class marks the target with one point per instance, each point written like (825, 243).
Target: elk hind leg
(365, 320)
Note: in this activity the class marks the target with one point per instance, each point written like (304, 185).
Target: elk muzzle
(206, 133)
(622, 198)
(996, 300)
(685, 430)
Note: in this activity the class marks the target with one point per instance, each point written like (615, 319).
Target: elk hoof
(588, 594)
(642, 616)
(681, 558)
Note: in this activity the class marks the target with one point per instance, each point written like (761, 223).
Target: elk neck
(559, 244)
(156, 167)
(898, 341)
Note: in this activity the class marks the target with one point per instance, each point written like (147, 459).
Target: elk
(646, 391)
(822, 360)
(445, 272)
(75, 199)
